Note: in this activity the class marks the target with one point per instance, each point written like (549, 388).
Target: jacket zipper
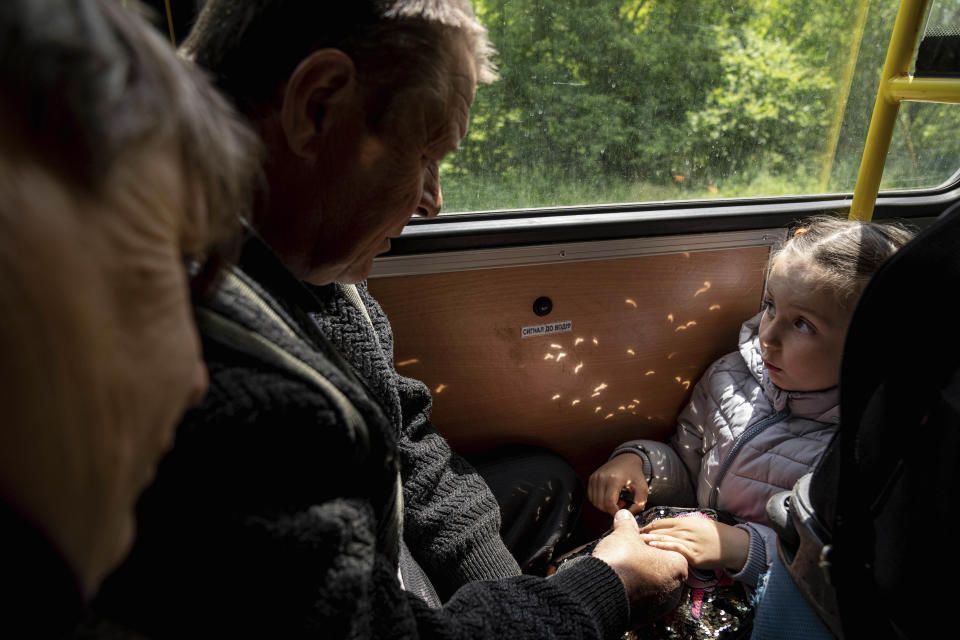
(752, 432)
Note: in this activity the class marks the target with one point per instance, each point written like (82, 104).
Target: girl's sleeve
(689, 441)
(672, 469)
(763, 549)
(667, 478)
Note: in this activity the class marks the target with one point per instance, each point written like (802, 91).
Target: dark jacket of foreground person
(41, 596)
(280, 512)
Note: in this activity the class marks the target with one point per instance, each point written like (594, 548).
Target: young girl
(760, 417)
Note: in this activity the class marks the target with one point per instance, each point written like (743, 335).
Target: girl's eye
(803, 326)
(769, 308)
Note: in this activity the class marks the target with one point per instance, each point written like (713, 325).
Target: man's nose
(431, 197)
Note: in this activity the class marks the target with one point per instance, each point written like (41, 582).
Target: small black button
(542, 306)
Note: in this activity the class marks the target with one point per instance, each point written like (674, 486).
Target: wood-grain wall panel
(644, 329)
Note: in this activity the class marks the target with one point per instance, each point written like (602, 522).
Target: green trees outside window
(603, 101)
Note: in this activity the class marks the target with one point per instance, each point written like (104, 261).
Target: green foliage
(632, 100)
(771, 107)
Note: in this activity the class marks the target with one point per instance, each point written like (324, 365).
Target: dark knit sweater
(276, 514)
(39, 595)
(451, 521)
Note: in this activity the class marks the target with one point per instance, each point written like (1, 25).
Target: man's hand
(624, 471)
(653, 578)
(705, 543)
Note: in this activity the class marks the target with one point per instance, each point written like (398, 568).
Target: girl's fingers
(670, 544)
(663, 523)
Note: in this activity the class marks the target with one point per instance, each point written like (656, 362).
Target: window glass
(603, 101)
(925, 149)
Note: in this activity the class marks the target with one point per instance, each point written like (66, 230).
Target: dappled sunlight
(684, 327)
(440, 388)
(626, 364)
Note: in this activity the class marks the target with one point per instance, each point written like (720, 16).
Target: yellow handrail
(895, 85)
(925, 89)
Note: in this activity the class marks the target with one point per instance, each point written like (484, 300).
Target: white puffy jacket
(739, 440)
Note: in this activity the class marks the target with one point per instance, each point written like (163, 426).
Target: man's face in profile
(374, 181)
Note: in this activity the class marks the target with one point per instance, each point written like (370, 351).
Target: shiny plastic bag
(712, 605)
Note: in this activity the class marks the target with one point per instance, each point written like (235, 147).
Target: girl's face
(802, 328)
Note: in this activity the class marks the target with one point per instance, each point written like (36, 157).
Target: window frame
(521, 227)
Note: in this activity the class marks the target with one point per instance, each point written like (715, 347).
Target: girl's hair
(845, 252)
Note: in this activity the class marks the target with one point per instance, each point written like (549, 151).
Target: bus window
(666, 100)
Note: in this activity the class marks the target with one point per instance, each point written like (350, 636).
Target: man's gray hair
(252, 46)
(457, 14)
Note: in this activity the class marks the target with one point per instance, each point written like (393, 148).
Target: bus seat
(873, 520)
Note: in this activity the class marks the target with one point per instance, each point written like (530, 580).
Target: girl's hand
(705, 543)
(625, 471)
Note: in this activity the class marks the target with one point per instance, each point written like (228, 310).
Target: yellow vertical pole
(173, 39)
(906, 30)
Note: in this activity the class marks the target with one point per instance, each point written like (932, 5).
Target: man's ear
(321, 79)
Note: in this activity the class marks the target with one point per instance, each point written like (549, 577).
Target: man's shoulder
(269, 363)
(258, 354)
(247, 391)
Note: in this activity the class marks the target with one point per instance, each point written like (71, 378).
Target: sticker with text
(546, 329)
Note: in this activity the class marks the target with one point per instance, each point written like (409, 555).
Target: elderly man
(116, 161)
(309, 494)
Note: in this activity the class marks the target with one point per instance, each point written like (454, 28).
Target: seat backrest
(884, 488)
